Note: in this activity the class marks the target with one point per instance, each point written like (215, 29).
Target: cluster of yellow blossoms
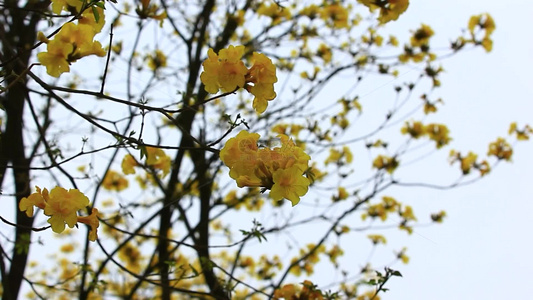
(225, 71)
(156, 158)
(279, 169)
(469, 162)
(62, 207)
(484, 22)
(74, 40)
(291, 291)
(389, 10)
(438, 133)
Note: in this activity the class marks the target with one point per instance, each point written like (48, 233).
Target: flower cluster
(382, 162)
(73, 41)
(501, 149)
(149, 10)
(484, 22)
(62, 207)
(335, 15)
(279, 169)
(156, 158)
(389, 10)
(225, 71)
(469, 162)
(291, 291)
(438, 133)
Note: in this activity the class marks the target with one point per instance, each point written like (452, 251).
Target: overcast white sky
(484, 248)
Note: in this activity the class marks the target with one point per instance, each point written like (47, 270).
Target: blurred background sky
(484, 249)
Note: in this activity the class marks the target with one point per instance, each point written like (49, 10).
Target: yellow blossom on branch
(128, 162)
(71, 43)
(263, 76)
(421, 36)
(62, 207)
(280, 169)
(92, 221)
(114, 181)
(484, 22)
(382, 162)
(501, 149)
(335, 15)
(55, 58)
(226, 72)
(27, 203)
(389, 10)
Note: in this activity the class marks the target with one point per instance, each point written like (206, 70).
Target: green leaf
(396, 273)
(143, 151)
(96, 14)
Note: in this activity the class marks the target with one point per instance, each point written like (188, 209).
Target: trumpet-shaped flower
(280, 169)
(92, 221)
(263, 75)
(128, 164)
(289, 184)
(62, 207)
(27, 203)
(226, 72)
(55, 58)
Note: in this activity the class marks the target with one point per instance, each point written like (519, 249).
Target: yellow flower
(55, 58)
(339, 157)
(35, 199)
(438, 217)
(62, 206)
(415, 129)
(225, 71)
(79, 35)
(158, 159)
(421, 36)
(289, 184)
(157, 60)
(468, 162)
(92, 221)
(324, 52)
(73, 42)
(148, 10)
(485, 22)
(263, 75)
(401, 255)
(377, 239)
(438, 133)
(275, 12)
(389, 10)
(288, 291)
(280, 169)
(88, 18)
(114, 181)
(407, 213)
(385, 162)
(67, 5)
(244, 143)
(501, 149)
(128, 164)
(209, 76)
(67, 248)
(232, 69)
(336, 14)
(342, 194)
(131, 256)
(310, 11)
